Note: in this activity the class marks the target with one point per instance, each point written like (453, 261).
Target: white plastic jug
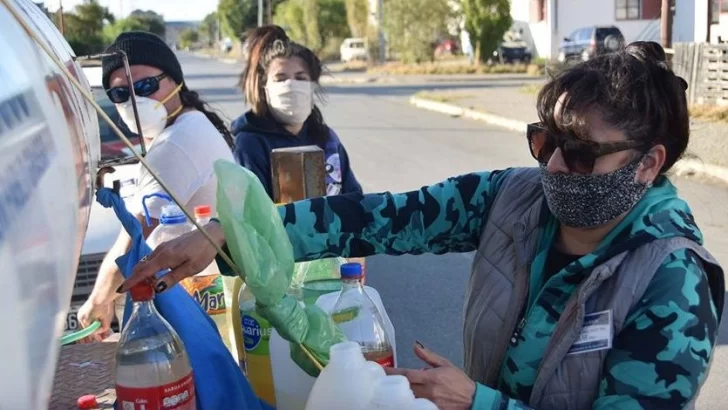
(347, 382)
(422, 404)
(293, 385)
(392, 393)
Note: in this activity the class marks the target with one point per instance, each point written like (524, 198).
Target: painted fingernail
(419, 344)
(118, 290)
(161, 287)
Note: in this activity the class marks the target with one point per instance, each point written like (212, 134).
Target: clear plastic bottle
(360, 319)
(209, 290)
(172, 222)
(152, 368)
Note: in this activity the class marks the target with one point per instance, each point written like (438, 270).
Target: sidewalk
(513, 107)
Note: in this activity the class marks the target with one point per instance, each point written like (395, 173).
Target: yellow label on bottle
(256, 333)
(207, 291)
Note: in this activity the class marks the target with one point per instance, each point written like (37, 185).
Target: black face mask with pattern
(585, 201)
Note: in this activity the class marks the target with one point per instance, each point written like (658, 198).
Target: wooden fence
(705, 68)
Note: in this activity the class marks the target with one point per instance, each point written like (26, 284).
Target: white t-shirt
(183, 156)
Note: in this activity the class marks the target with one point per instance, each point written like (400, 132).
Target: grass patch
(531, 89)
(454, 69)
(447, 98)
(713, 113)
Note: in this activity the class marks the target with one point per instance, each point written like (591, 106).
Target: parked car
(588, 42)
(353, 49)
(103, 227)
(512, 52)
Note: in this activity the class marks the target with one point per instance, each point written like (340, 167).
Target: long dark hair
(192, 99)
(633, 89)
(263, 45)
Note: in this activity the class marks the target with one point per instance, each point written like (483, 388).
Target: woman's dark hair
(192, 99)
(261, 46)
(633, 89)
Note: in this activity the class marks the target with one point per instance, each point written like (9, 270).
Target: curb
(684, 167)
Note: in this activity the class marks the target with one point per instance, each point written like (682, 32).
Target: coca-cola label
(179, 395)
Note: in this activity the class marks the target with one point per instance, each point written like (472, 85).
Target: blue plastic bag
(219, 382)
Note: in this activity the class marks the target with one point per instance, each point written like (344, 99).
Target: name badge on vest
(596, 333)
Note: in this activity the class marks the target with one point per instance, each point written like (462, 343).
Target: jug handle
(144, 205)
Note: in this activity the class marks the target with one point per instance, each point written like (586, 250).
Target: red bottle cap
(87, 402)
(203, 211)
(142, 292)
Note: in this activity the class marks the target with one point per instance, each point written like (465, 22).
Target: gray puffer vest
(499, 285)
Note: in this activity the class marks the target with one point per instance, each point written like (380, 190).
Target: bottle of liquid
(360, 319)
(256, 340)
(172, 222)
(152, 368)
(208, 289)
(347, 382)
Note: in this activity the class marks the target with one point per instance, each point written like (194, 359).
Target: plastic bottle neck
(350, 283)
(144, 308)
(204, 220)
(346, 354)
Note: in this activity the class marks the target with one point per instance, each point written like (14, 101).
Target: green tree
(333, 20)
(209, 29)
(486, 21)
(321, 26)
(311, 17)
(83, 28)
(412, 26)
(188, 37)
(357, 16)
(154, 22)
(135, 22)
(236, 16)
(290, 16)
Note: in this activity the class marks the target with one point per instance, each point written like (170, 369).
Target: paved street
(394, 146)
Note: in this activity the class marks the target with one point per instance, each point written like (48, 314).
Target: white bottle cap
(346, 353)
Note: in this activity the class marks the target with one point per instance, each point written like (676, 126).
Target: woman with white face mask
(279, 82)
(184, 139)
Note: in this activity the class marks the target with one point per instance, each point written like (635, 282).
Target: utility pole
(666, 24)
(380, 26)
(710, 21)
(61, 23)
(260, 13)
(270, 12)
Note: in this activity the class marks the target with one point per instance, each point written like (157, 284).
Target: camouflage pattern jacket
(631, 325)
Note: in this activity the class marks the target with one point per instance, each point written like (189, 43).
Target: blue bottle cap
(351, 270)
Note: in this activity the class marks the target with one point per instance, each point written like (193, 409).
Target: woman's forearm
(109, 277)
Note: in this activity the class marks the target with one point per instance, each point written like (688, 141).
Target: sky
(172, 10)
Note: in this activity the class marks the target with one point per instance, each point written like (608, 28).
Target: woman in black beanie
(184, 138)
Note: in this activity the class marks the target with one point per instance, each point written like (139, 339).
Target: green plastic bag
(259, 245)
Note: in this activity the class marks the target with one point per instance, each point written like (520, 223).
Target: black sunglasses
(143, 88)
(579, 155)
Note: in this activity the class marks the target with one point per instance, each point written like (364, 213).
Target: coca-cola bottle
(152, 368)
(361, 320)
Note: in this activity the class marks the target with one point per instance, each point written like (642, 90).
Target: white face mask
(153, 114)
(290, 101)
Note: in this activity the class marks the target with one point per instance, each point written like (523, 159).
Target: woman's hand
(184, 256)
(93, 310)
(442, 383)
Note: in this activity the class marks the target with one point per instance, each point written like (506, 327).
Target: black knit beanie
(141, 48)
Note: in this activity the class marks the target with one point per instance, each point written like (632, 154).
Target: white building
(545, 23)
